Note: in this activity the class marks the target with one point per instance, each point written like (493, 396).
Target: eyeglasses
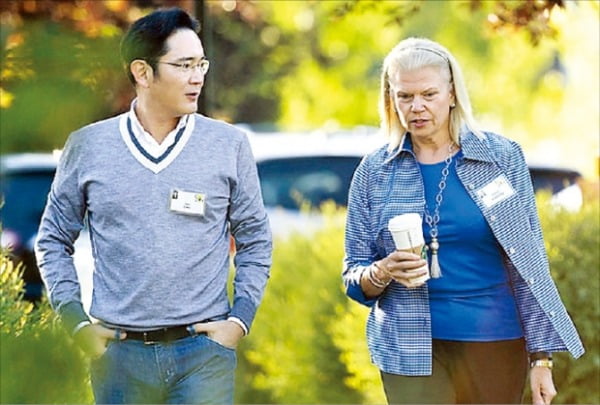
(189, 67)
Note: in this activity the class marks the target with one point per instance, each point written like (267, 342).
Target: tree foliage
(304, 64)
(58, 71)
(533, 17)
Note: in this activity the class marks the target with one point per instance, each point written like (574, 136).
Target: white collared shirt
(147, 141)
(153, 155)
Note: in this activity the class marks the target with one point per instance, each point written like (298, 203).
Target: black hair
(146, 39)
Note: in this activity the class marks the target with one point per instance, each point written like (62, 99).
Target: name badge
(496, 191)
(185, 202)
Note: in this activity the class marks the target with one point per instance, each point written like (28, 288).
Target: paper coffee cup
(407, 232)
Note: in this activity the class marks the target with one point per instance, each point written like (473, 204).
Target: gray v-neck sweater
(155, 267)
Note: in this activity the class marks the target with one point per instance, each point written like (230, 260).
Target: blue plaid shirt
(399, 325)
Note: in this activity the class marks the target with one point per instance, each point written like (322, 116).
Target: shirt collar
(476, 148)
(472, 146)
(405, 146)
(147, 140)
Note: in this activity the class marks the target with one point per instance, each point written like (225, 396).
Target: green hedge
(308, 342)
(573, 245)
(38, 362)
(290, 355)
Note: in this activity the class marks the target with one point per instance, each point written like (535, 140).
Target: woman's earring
(452, 105)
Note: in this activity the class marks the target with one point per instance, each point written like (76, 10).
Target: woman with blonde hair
(489, 312)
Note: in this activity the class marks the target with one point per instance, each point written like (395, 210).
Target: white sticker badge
(498, 190)
(185, 202)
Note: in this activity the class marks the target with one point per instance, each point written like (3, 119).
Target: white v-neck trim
(147, 141)
(172, 149)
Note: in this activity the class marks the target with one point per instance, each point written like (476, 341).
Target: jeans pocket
(97, 360)
(222, 346)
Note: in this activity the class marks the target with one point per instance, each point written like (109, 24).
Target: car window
(553, 180)
(287, 182)
(24, 195)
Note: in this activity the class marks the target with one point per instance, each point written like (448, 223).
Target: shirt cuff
(239, 322)
(80, 326)
(72, 315)
(243, 309)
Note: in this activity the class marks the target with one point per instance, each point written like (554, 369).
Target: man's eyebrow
(189, 58)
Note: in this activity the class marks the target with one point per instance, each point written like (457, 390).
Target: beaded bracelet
(373, 279)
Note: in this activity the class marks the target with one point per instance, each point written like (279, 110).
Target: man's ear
(142, 72)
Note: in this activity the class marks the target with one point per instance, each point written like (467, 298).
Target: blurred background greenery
(532, 68)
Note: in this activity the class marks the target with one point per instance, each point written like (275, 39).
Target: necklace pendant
(433, 219)
(435, 270)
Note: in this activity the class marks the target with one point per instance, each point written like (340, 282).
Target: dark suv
(319, 166)
(25, 181)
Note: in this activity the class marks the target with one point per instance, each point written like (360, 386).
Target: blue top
(472, 301)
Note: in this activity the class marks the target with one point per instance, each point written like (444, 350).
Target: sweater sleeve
(60, 225)
(250, 228)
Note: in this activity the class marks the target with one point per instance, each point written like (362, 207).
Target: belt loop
(117, 335)
(191, 330)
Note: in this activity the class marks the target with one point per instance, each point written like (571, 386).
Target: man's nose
(197, 76)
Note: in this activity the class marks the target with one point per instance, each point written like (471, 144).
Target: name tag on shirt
(498, 190)
(188, 203)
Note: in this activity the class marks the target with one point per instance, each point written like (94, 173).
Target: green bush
(15, 311)
(572, 241)
(308, 342)
(290, 355)
(38, 361)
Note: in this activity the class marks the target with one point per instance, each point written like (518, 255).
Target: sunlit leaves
(6, 98)
(304, 64)
(36, 351)
(15, 312)
(533, 16)
(59, 79)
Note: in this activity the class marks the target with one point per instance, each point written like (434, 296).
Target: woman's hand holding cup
(407, 265)
(406, 268)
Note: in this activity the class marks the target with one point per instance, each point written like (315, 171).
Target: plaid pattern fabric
(399, 325)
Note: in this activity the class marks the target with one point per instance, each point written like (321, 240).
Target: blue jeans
(192, 370)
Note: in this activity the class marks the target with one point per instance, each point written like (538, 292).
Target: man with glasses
(162, 189)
